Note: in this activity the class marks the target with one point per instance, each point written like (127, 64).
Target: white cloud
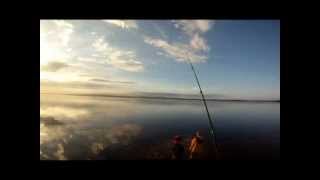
(64, 113)
(100, 45)
(198, 43)
(194, 50)
(54, 66)
(65, 30)
(194, 29)
(126, 64)
(121, 59)
(103, 80)
(55, 37)
(59, 154)
(196, 47)
(125, 24)
(177, 51)
(86, 59)
(96, 148)
(191, 27)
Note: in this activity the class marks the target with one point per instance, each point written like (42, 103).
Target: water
(88, 127)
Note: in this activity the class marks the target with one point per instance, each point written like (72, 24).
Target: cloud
(192, 27)
(75, 85)
(198, 43)
(85, 75)
(59, 154)
(178, 51)
(194, 50)
(126, 64)
(54, 66)
(96, 143)
(50, 114)
(55, 38)
(86, 86)
(86, 59)
(124, 132)
(50, 121)
(64, 30)
(96, 148)
(124, 24)
(121, 59)
(100, 80)
(100, 45)
(109, 81)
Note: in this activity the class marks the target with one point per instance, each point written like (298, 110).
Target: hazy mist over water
(88, 127)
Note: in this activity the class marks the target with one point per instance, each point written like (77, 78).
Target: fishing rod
(205, 104)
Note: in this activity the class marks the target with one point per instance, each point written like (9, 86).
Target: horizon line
(160, 97)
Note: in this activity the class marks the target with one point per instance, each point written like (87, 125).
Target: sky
(233, 58)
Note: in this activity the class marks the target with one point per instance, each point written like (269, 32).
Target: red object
(177, 139)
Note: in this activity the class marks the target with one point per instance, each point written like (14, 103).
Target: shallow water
(88, 127)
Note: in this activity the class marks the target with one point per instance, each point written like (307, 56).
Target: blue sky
(234, 59)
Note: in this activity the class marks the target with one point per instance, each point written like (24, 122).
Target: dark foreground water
(82, 127)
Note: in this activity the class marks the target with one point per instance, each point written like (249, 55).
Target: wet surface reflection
(73, 127)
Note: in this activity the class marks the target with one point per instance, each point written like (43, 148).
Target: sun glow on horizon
(48, 52)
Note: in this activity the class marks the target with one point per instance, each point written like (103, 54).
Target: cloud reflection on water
(63, 143)
(63, 112)
(113, 128)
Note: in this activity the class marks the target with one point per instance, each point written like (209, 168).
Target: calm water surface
(83, 127)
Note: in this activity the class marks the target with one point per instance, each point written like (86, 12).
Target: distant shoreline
(159, 97)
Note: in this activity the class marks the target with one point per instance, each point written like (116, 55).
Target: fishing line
(208, 114)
